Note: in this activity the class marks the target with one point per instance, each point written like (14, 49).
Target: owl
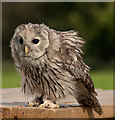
(51, 66)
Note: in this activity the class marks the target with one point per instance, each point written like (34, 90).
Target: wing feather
(72, 59)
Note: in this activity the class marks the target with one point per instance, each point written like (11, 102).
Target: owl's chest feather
(44, 80)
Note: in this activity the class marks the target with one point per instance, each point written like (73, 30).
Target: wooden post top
(13, 102)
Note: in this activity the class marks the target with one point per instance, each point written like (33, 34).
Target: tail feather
(97, 107)
(87, 97)
(90, 101)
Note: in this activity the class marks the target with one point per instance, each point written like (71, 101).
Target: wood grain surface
(13, 105)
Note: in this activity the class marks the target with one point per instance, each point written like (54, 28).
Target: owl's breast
(48, 79)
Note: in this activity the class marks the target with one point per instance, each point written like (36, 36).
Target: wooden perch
(13, 102)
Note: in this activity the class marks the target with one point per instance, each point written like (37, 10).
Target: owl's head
(30, 42)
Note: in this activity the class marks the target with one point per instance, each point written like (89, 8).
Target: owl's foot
(48, 104)
(36, 102)
(33, 104)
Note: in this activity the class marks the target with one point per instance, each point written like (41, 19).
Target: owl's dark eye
(35, 41)
(21, 41)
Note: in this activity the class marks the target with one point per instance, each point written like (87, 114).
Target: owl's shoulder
(72, 59)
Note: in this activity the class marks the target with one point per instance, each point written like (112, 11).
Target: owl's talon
(48, 104)
(31, 104)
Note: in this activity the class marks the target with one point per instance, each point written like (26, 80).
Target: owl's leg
(48, 104)
(36, 102)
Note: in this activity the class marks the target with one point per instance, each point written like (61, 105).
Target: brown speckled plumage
(53, 68)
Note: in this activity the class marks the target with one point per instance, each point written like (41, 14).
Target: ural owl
(51, 65)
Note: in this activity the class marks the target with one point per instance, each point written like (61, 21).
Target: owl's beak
(26, 49)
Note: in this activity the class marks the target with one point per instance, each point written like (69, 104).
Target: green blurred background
(94, 21)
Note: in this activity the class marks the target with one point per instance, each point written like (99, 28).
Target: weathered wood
(13, 99)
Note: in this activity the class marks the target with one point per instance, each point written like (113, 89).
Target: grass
(103, 79)
(10, 76)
